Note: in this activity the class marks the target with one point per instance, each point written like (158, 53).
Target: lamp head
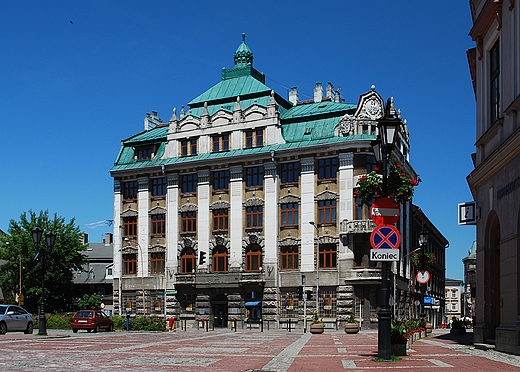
(36, 234)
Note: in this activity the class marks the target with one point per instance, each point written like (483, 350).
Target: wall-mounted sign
(467, 213)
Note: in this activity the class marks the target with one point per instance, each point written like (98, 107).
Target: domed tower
(243, 55)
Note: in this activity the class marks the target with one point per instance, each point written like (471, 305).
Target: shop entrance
(220, 311)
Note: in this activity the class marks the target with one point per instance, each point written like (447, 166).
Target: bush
(56, 321)
(148, 323)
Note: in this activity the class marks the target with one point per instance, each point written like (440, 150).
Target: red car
(91, 320)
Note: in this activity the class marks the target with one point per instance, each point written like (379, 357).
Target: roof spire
(243, 55)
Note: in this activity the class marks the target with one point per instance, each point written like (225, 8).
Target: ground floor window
(290, 304)
(327, 303)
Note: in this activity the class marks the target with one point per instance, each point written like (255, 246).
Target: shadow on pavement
(466, 339)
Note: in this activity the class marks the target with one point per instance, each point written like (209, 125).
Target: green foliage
(59, 321)
(352, 319)
(147, 323)
(90, 301)
(400, 330)
(61, 262)
(399, 186)
(316, 320)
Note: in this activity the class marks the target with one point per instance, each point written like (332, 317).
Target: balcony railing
(357, 227)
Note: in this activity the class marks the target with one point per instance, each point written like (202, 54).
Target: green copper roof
(318, 108)
(243, 55)
(157, 161)
(227, 90)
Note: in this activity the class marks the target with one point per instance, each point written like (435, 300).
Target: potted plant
(317, 326)
(400, 187)
(352, 324)
(398, 337)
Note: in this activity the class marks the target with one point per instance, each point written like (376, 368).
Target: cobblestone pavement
(245, 350)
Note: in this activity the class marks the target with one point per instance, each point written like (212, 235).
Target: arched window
(188, 261)
(220, 259)
(253, 258)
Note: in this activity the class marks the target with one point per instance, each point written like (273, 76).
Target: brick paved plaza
(245, 350)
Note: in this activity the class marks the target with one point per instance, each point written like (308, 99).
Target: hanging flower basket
(416, 258)
(399, 186)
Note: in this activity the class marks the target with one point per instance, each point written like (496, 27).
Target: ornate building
(212, 208)
(495, 181)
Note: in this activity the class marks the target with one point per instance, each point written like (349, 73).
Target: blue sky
(77, 77)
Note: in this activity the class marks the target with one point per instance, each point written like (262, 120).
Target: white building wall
(235, 216)
(307, 214)
(271, 214)
(203, 214)
(142, 226)
(172, 223)
(117, 230)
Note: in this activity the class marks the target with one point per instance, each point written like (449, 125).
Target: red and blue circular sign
(385, 237)
(384, 211)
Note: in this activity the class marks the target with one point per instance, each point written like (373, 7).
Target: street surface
(244, 350)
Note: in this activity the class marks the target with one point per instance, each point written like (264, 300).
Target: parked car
(91, 320)
(14, 318)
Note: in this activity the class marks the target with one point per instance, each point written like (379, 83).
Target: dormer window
(254, 138)
(144, 153)
(189, 147)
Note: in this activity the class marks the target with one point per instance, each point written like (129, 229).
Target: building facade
(495, 181)
(226, 210)
(470, 282)
(453, 299)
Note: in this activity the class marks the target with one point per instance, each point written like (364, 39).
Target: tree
(90, 301)
(18, 249)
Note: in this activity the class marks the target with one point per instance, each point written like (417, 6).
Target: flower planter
(429, 328)
(398, 349)
(351, 328)
(317, 328)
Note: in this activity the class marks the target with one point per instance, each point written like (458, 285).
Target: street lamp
(388, 127)
(142, 274)
(317, 264)
(50, 237)
(423, 241)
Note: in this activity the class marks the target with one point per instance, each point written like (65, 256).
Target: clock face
(423, 277)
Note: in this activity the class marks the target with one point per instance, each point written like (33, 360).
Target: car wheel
(96, 330)
(74, 330)
(3, 329)
(111, 328)
(29, 329)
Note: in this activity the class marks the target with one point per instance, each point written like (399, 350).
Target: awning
(253, 304)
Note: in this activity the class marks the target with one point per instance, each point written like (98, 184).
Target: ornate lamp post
(317, 264)
(50, 237)
(388, 128)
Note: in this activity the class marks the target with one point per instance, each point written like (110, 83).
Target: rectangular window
(289, 258)
(254, 138)
(494, 56)
(159, 187)
(220, 142)
(220, 219)
(254, 216)
(327, 211)
(189, 147)
(289, 214)
(159, 224)
(220, 180)
(130, 189)
(327, 256)
(290, 173)
(189, 221)
(144, 153)
(189, 183)
(130, 226)
(255, 176)
(130, 264)
(327, 169)
(327, 300)
(157, 262)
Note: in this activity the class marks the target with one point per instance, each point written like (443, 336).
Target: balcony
(209, 280)
(365, 275)
(356, 227)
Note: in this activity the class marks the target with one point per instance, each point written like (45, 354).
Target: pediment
(190, 207)
(129, 213)
(326, 195)
(254, 202)
(289, 199)
(157, 210)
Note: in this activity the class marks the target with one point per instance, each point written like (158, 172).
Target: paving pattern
(245, 350)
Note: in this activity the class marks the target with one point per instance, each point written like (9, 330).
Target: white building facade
(212, 209)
